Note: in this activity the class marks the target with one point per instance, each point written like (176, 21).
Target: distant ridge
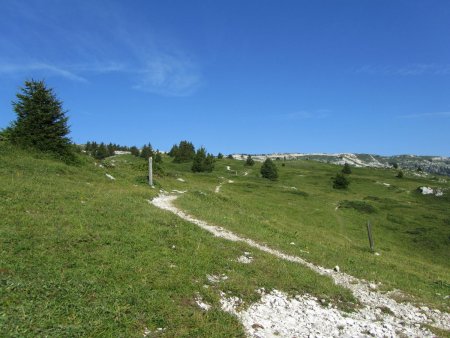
(429, 164)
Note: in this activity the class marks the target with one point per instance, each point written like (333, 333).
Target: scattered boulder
(430, 191)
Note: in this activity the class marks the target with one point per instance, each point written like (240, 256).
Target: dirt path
(380, 313)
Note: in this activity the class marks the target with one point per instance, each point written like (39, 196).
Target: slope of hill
(84, 253)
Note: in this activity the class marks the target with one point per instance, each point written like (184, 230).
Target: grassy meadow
(84, 255)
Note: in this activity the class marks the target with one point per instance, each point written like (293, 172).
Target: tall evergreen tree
(41, 121)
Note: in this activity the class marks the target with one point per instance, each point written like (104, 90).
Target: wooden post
(369, 233)
(150, 171)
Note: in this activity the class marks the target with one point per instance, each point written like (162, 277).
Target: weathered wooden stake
(150, 171)
(369, 232)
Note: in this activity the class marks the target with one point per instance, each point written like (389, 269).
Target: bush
(269, 170)
(347, 169)
(249, 161)
(219, 156)
(360, 206)
(41, 121)
(340, 182)
(400, 174)
(230, 157)
(184, 152)
(134, 151)
(202, 162)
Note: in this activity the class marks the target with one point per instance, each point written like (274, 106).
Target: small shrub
(360, 206)
(346, 170)
(400, 174)
(269, 170)
(340, 182)
(250, 162)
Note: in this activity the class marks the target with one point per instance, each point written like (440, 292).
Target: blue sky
(239, 76)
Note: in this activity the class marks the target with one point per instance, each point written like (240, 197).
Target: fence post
(369, 233)
(150, 171)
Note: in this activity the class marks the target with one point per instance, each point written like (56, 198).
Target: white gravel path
(299, 314)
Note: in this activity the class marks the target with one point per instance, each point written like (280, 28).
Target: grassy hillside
(86, 255)
(328, 226)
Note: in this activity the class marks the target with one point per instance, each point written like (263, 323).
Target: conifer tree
(147, 151)
(158, 157)
(101, 152)
(219, 156)
(173, 151)
(41, 121)
(134, 151)
(346, 169)
(185, 152)
(269, 170)
(249, 161)
(340, 181)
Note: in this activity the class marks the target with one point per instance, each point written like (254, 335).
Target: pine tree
(173, 151)
(249, 161)
(219, 156)
(134, 151)
(147, 151)
(110, 147)
(346, 170)
(185, 153)
(41, 121)
(199, 159)
(209, 163)
(158, 157)
(269, 170)
(101, 152)
(202, 161)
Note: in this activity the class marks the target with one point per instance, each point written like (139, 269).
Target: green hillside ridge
(83, 254)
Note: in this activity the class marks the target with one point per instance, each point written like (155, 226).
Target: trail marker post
(150, 171)
(369, 233)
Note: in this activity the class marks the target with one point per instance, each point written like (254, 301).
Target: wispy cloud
(169, 75)
(426, 115)
(104, 42)
(39, 67)
(408, 70)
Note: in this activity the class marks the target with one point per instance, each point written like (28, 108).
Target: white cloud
(168, 75)
(10, 68)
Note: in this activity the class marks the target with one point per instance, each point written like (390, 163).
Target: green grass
(83, 255)
(411, 231)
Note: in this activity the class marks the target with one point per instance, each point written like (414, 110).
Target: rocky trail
(276, 314)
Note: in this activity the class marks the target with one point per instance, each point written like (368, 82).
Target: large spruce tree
(41, 121)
